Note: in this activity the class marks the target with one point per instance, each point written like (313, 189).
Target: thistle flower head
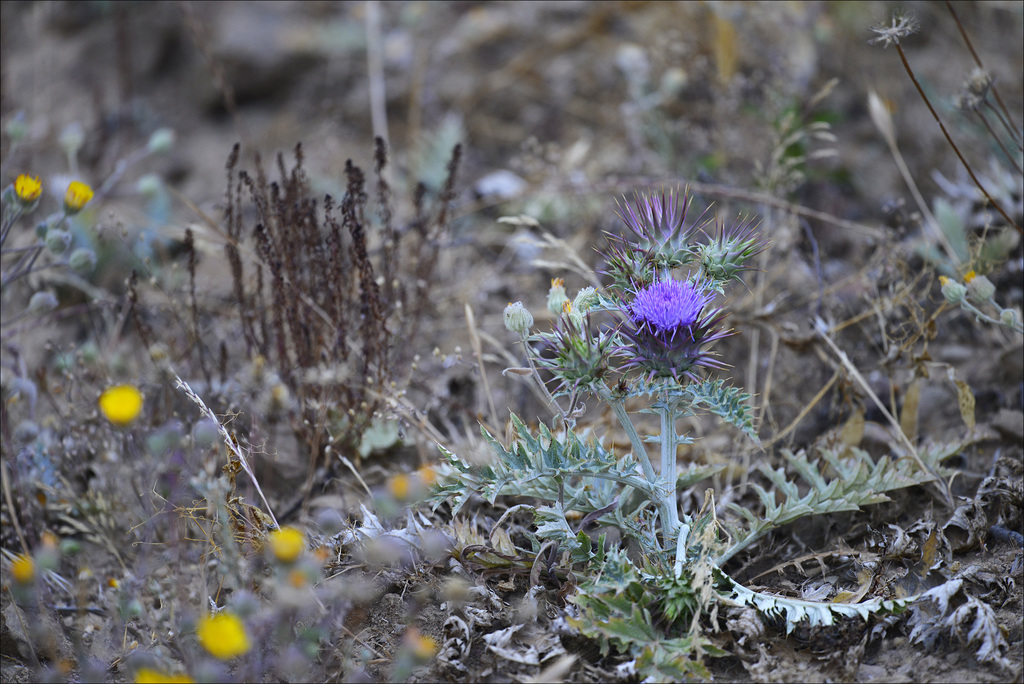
(518, 318)
(667, 306)
(626, 268)
(670, 325)
(557, 296)
(658, 223)
(579, 356)
(724, 255)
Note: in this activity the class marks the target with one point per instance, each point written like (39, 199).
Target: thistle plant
(655, 352)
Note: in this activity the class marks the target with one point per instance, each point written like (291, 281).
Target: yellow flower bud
(77, 196)
(27, 188)
(23, 569)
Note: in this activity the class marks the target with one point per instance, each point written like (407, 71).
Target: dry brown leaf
(908, 416)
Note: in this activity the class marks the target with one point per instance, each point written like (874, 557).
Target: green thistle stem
(540, 382)
(634, 439)
(669, 446)
(665, 498)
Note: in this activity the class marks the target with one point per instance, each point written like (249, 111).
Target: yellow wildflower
(24, 569)
(428, 475)
(969, 276)
(223, 636)
(147, 675)
(400, 486)
(298, 579)
(287, 544)
(422, 646)
(77, 196)
(121, 404)
(27, 188)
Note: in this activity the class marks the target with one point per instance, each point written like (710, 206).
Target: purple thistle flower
(671, 328)
(668, 306)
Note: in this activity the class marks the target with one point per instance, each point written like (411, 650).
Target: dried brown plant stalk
(332, 290)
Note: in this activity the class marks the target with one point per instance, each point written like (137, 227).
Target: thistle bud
(149, 185)
(42, 302)
(556, 296)
(586, 299)
(953, 291)
(16, 129)
(72, 138)
(517, 318)
(981, 288)
(57, 240)
(161, 141)
(82, 261)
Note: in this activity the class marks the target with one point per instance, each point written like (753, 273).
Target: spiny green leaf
(858, 481)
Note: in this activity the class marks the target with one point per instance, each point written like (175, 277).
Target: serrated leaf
(728, 403)
(857, 481)
(795, 611)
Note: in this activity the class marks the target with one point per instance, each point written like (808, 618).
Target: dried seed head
(901, 26)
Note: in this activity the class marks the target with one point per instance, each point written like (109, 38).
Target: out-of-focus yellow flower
(287, 544)
(147, 675)
(428, 475)
(27, 188)
(223, 636)
(400, 486)
(423, 647)
(24, 570)
(969, 276)
(77, 196)
(121, 404)
(297, 579)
